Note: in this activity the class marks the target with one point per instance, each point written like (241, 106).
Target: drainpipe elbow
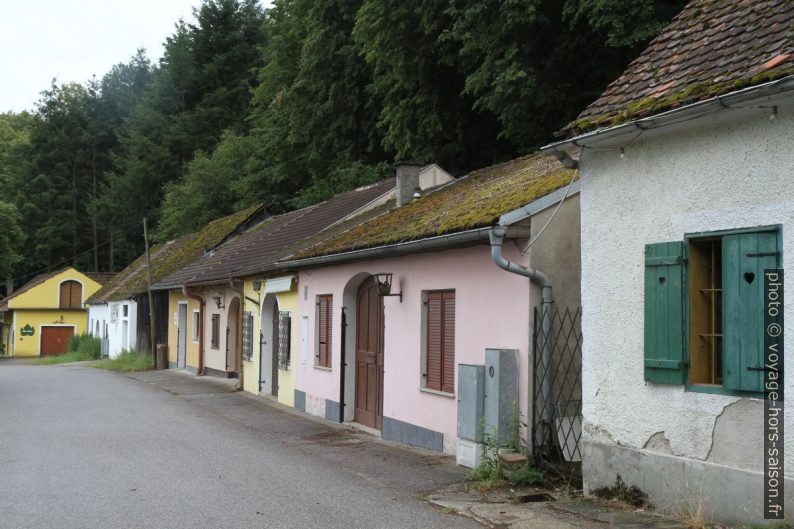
(496, 236)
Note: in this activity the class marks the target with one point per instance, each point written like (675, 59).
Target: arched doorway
(268, 347)
(233, 336)
(369, 355)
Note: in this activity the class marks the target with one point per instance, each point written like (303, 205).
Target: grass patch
(127, 361)
(72, 356)
(82, 347)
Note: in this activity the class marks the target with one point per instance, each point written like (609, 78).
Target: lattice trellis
(557, 411)
(284, 343)
(248, 335)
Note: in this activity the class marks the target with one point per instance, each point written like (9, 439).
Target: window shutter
(66, 297)
(434, 341)
(76, 295)
(744, 258)
(448, 350)
(324, 334)
(664, 311)
(216, 331)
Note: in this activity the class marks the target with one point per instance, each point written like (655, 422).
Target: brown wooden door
(274, 355)
(369, 355)
(55, 340)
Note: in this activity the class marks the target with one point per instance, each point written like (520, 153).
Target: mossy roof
(712, 48)
(169, 256)
(473, 201)
(260, 247)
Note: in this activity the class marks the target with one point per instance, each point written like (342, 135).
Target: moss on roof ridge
(691, 94)
(470, 202)
(171, 255)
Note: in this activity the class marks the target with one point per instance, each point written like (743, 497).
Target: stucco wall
(117, 340)
(557, 252)
(47, 293)
(31, 345)
(287, 301)
(492, 311)
(175, 298)
(215, 358)
(735, 175)
(98, 313)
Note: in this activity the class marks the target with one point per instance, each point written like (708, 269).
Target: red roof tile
(711, 48)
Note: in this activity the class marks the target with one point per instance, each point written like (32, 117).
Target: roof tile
(710, 48)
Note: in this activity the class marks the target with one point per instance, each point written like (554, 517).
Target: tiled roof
(37, 280)
(170, 256)
(259, 248)
(473, 201)
(711, 48)
(101, 277)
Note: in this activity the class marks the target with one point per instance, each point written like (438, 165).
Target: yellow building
(184, 331)
(273, 324)
(39, 317)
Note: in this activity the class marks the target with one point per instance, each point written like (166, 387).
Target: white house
(687, 196)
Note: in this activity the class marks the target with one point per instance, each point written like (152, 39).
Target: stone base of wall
(409, 434)
(332, 410)
(210, 372)
(732, 495)
(300, 400)
(190, 369)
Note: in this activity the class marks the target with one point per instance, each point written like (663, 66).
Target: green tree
(424, 112)
(11, 239)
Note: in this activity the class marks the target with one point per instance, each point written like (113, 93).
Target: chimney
(407, 180)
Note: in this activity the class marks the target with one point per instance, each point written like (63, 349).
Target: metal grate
(284, 326)
(248, 335)
(557, 410)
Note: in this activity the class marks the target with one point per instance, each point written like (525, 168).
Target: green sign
(27, 330)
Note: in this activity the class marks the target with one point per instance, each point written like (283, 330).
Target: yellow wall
(174, 298)
(39, 306)
(45, 295)
(31, 345)
(287, 301)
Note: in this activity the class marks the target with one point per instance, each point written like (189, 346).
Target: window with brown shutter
(71, 295)
(440, 341)
(324, 312)
(215, 342)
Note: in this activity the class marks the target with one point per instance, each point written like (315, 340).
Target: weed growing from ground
(127, 361)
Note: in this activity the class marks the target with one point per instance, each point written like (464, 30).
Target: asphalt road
(83, 448)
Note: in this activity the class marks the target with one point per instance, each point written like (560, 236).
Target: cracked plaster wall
(732, 175)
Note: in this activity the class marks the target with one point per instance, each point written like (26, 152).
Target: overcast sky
(75, 39)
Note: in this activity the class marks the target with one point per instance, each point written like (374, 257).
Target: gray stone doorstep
(504, 509)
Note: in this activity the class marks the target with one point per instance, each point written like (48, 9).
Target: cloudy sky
(75, 39)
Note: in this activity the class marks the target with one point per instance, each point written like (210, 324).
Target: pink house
(391, 307)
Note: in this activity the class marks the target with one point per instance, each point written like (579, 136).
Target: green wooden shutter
(744, 258)
(664, 313)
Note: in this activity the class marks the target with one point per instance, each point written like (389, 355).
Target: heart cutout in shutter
(662, 280)
(749, 276)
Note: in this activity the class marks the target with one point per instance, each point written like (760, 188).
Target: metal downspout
(496, 236)
(200, 367)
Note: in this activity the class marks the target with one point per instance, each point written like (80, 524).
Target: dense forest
(291, 104)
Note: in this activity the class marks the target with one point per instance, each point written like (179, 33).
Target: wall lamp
(257, 285)
(219, 300)
(383, 280)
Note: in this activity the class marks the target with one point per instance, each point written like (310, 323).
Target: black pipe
(343, 365)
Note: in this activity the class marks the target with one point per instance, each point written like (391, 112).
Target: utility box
(471, 390)
(471, 396)
(501, 391)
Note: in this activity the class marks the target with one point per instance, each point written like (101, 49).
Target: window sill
(719, 390)
(437, 392)
(323, 368)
